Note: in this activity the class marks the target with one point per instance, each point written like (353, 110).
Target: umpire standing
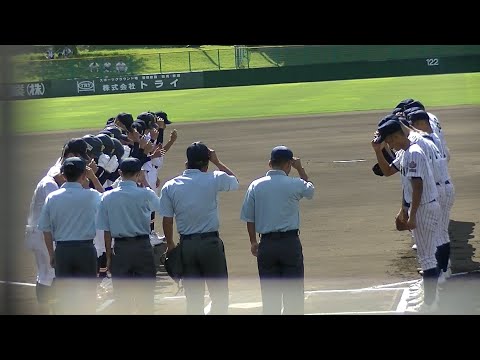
(68, 218)
(124, 214)
(271, 208)
(192, 198)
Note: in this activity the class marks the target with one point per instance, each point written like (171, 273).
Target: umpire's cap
(95, 145)
(76, 146)
(130, 164)
(73, 166)
(107, 143)
(198, 154)
(118, 148)
(164, 116)
(281, 152)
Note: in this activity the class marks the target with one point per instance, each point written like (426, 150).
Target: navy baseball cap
(198, 153)
(148, 118)
(386, 118)
(76, 146)
(110, 121)
(107, 143)
(412, 109)
(402, 104)
(281, 153)
(119, 150)
(388, 128)
(130, 164)
(418, 115)
(126, 119)
(74, 165)
(139, 125)
(95, 145)
(116, 132)
(164, 116)
(415, 103)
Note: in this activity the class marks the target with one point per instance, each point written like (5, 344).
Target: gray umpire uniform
(69, 215)
(272, 203)
(192, 199)
(125, 212)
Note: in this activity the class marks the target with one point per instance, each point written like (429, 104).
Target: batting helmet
(95, 145)
(107, 143)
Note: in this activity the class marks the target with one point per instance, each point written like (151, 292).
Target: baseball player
(421, 120)
(421, 194)
(68, 219)
(192, 198)
(271, 208)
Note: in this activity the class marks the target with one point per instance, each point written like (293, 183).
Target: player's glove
(376, 170)
(400, 224)
(112, 164)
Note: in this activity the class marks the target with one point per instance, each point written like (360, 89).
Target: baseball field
(355, 261)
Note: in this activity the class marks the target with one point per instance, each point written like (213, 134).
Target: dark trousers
(204, 262)
(76, 274)
(281, 272)
(152, 222)
(133, 275)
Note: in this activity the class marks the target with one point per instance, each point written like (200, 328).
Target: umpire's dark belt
(199, 235)
(280, 234)
(74, 242)
(133, 238)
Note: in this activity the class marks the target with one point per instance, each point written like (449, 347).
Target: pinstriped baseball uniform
(437, 129)
(414, 164)
(448, 190)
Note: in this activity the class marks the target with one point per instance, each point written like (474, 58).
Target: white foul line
(208, 308)
(16, 283)
(348, 161)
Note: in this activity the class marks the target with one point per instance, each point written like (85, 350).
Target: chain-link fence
(235, 57)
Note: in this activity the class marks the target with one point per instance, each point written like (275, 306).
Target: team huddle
(93, 214)
(410, 141)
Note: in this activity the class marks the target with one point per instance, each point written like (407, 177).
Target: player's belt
(280, 234)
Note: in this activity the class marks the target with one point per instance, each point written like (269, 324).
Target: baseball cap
(415, 103)
(94, 145)
(130, 164)
(126, 119)
(418, 115)
(140, 126)
(412, 109)
(107, 143)
(281, 152)
(147, 118)
(164, 116)
(388, 128)
(198, 153)
(110, 121)
(118, 149)
(74, 165)
(404, 103)
(76, 146)
(116, 132)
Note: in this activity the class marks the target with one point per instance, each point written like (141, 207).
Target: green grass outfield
(90, 112)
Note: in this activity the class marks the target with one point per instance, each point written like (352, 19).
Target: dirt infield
(347, 230)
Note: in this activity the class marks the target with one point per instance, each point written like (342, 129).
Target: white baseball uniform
(414, 164)
(33, 236)
(437, 129)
